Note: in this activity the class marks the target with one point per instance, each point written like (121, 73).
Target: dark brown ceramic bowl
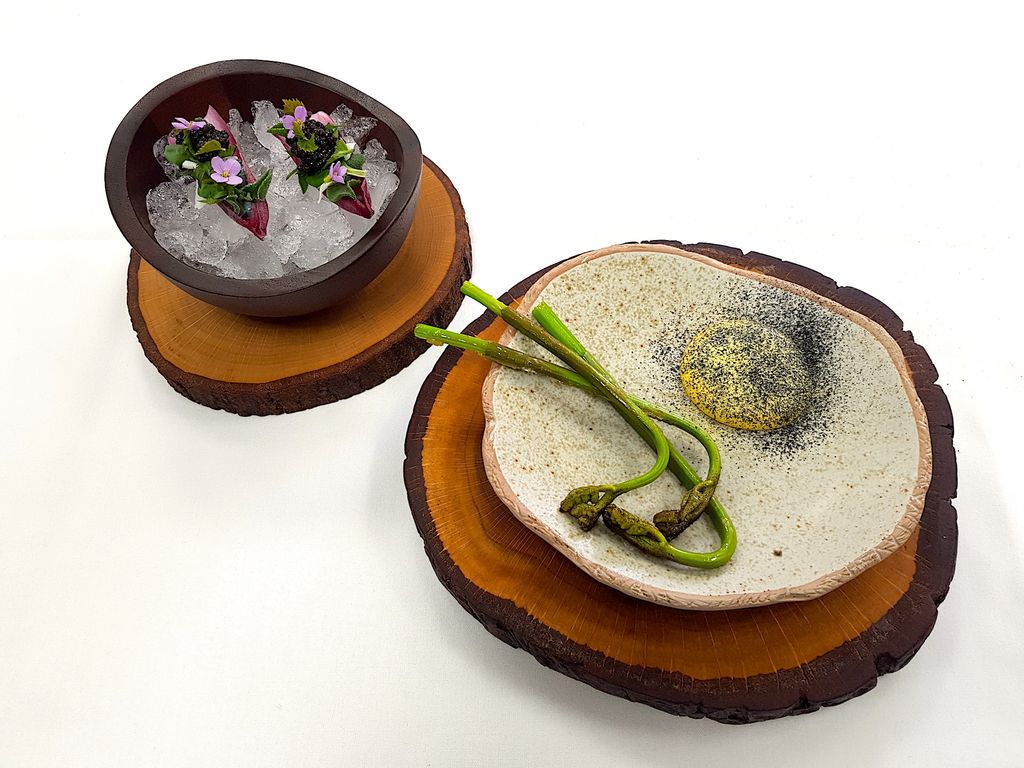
(131, 172)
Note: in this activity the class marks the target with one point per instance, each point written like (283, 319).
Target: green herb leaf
(213, 191)
(203, 170)
(228, 151)
(337, 192)
(317, 179)
(258, 189)
(211, 146)
(303, 183)
(236, 205)
(278, 130)
(290, 105)
(177, 154)
(355, 161)
(340, 153)
(305, 143)
(263, 185)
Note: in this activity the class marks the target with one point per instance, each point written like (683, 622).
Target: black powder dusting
(815, 332)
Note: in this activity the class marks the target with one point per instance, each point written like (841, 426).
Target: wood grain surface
(735, 666)
(256, 366)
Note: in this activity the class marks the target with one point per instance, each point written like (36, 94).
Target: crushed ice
(304, 231)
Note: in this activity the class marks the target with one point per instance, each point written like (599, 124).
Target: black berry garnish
(326, 143)
(208, 133)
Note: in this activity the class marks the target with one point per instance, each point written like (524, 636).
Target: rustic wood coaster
(735, 666)
(255, 367)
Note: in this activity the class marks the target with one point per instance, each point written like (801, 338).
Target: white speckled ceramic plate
(814, 503)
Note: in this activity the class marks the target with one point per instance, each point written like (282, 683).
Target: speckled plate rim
(898, 536)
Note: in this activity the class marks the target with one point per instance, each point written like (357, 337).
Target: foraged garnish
(206, 150)
(586, 504)
(323, 159)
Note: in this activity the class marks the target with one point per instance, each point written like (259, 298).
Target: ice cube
(332, 227)
(210, 249)
(299, 215)
(374, 151)
(219, 225)
(378, 168)
(281, 185)
(355, 128)
(376, 162)
(171, 205)
(328, 236)
(382, 191)
(341, 115)
(321, 228)
(264, 115)
(360, 225)
(285, 241)
(256, 155)
(251, 259)
(313, 254)
(287, 237)
(234, 121)
(183, 243)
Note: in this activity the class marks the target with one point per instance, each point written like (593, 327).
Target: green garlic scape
(588, 503)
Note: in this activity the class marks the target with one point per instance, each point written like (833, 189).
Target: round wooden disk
(734, 666)
(255, 366)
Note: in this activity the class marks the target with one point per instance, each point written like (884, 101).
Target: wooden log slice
(256, 366)
(735, 666)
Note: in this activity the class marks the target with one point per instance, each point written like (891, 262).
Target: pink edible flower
(181, 124)
(338, 172)
(226, 171)
(289, 120)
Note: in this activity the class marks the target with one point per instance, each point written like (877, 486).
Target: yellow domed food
(746, 375)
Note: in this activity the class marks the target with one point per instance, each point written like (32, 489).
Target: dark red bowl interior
(131, 171)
